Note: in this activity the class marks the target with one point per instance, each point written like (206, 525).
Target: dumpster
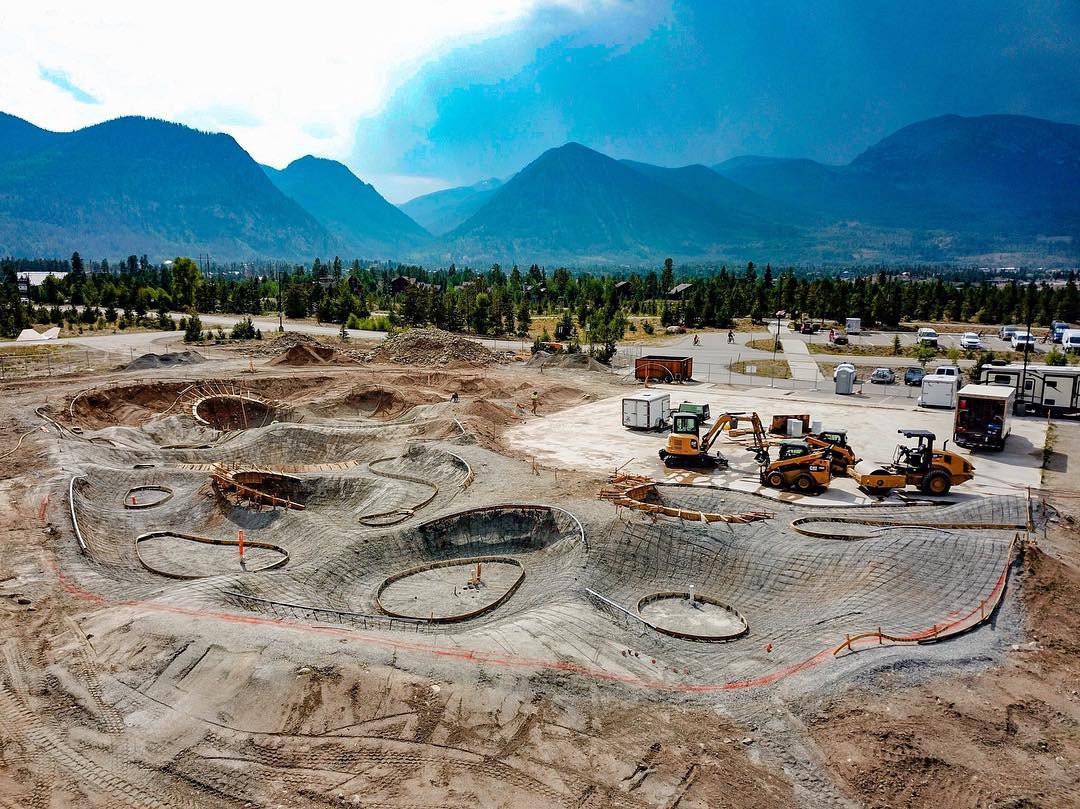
(663, 368)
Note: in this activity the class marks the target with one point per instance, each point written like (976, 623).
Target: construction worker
(535, 401)
(730, 336)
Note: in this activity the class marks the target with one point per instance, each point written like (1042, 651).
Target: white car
(845, 366)
(1023, 340)
(926, 337)
(1006, 332)
(970, 341)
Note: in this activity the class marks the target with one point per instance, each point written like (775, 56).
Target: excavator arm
(724, 421)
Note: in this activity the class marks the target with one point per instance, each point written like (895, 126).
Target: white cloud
(283, 80)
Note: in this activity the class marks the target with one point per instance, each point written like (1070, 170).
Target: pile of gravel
(579, 360)
(432, 347)
(150, 361)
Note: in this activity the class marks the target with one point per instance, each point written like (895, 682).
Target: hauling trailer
(647, 410)
(1041, 389)
(982, 416)
(664, 369)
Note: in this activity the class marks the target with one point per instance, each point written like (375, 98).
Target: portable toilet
(647, 410)
(853, 325)
(845, 381)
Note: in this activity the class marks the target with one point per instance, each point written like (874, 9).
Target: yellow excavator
(687, 447)
(800, 466)
(932, 471)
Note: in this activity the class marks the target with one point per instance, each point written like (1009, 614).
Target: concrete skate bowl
(292, 448)
(429, 469)
(235, 411)
(688, 502)
(376, 401)
(148, 496)
(801, 595)
(177, 555)
(452, 590)
(425, 572)
(259, 487)
(692, 616)
(128, 404)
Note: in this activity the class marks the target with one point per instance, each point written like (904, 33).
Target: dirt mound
(285, 343)
(149, 361)
(432, 348)
(578, 361)
(313, 353)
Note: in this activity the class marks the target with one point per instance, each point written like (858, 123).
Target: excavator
(687, 447)
(800, 465)
(932, 471)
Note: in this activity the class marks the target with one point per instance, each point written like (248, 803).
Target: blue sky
(704, 81)
(419, 95)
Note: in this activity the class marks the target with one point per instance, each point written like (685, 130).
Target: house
(400, 283)
(622, 289)
(679, 291)
(35, 278)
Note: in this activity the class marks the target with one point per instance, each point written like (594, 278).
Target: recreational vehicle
(1041, 388)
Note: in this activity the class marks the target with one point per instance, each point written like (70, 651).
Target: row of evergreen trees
(495, 301)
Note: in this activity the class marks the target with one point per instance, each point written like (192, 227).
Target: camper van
(1041, 389)
(1070, 340)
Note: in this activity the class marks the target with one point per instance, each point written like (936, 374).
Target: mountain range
(946, 189)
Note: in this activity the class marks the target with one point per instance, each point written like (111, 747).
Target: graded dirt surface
(903, 665)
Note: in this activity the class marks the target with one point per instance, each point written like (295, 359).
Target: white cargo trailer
(938, 391)
(853, 325)
(648, 410)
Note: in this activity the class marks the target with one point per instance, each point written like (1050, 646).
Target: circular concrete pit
(233, 412)
(703, 618)
(186, 556)
(454, 590)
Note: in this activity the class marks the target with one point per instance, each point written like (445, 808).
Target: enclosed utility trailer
(648, 410)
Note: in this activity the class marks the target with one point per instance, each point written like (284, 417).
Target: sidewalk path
(803, 366)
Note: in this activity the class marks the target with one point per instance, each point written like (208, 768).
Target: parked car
(1057, 329)
(1006, 332)
(883, 376)
(913, 376)
(839, 338)
(1023, 341)
(948, 370)
(926, 337)
(847, 366)
(969, 341)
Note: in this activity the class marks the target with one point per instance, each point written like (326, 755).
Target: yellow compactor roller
(930, 470)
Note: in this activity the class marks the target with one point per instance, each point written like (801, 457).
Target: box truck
(938, 391)
(648, 410)
(982, 416)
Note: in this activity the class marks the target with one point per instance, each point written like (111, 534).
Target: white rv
(1041, 388)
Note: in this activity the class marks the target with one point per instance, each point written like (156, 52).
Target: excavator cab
(687, 447)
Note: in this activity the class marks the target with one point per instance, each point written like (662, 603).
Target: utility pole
(280, 322)
(1021, 400)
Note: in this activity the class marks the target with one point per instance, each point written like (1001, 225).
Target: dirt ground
(103, 703)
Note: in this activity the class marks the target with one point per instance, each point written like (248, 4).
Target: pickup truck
(926, 337)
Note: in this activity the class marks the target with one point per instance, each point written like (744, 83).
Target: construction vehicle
(799, 466)
(931, 471)
(842, 455)
(687, 447)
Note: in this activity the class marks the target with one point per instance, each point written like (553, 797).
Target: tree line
(593, 306)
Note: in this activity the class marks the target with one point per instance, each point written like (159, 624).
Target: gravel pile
(433, 347)
(149, 361)
(578, 360)
(285, 343)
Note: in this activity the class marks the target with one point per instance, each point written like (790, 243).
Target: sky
(418, 95)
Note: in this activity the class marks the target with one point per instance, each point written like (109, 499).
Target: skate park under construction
(427, 517)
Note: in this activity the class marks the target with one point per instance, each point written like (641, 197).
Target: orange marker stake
(240, 541)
